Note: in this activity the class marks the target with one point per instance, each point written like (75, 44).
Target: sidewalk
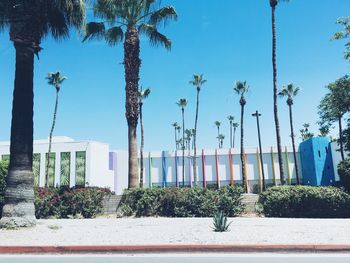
(145, 235)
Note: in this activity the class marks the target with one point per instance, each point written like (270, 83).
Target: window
(5, 157)
(80, 168)
(50, 169)
(65, 169)
(36, 168)
(319, 154)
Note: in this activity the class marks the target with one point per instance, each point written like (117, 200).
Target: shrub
(344, 174)
(64, 202)
(305, 202)
(3, 174)
(181, 202)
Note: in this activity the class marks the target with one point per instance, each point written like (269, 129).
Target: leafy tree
(142, 94)
(55, 80)
(127, 19)
(345, 22)
(182, 103)
(290, 91)
(305, 133)
(29, 22)
(198, 82)
(241, 88)
(217, 124)
(334, 105)
(273, 5)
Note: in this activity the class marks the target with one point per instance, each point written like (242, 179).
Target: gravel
(148, 231)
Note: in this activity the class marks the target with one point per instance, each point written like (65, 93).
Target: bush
(64, 202)
(344, 174)
(3, 174)
(305, 202)
(181, 202)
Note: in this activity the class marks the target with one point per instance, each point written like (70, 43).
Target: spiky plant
(220, 222)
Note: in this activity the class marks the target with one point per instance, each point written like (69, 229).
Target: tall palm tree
(273, 5)
(188, 133)
(197, 81)
(235, 126)
(217, 124)
(179, 140)
(126, 20)
(55, 80)
(175, 125)
(241, 89)
(30, 21)
(231, 119)
(142, 94)
(290, 91)
(182, 103)
(221, 138)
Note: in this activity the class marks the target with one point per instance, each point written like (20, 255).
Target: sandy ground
(147, 231)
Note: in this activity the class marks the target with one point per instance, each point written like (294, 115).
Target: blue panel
(316, 161)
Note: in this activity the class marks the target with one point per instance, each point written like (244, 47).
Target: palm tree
(55, 80)
(290, 92)
(241, 89)
(126, 20)
(231, 119)
(221, 138)
(273, 4)
(29, 22)
(235, 126)
(188, 133)
(182, 103)
(175, 125)
(142, 94)
(217, 124)
(179, 141)
(197, 81)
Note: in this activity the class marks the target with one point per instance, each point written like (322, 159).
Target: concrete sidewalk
(144, 235)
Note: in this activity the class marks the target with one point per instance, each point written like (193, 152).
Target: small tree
(305, 133)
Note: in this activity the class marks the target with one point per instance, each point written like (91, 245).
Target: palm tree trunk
(18, 210)
(141, 150)
(341, 139)
(183, 147)
(275, 108)
(245, 187)
(293, 144)
(50, 141)
(132, 64)
(230, 134)
(234, 137)
(194, 142)
(176, 143)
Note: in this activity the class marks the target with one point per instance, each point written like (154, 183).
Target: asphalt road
(183, 258)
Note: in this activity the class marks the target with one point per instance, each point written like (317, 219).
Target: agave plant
(220, 222)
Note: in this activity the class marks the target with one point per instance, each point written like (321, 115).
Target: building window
(80, 168)
(36, 168)
(50, 169)
(65, 169)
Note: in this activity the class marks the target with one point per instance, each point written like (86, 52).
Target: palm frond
(163, 15)
(241, 87)
(114, 35)
(94, 30)
(155, 37)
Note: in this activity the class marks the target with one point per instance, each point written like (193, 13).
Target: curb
(161, 249)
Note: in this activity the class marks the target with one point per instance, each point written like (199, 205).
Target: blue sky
(226, 40)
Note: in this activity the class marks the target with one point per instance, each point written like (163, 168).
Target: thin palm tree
(178, 137)
(182, 103)
(198, 82)
(126, 20)
(231, 119)
(241, 89)
(221, 138)
(30, 22)
(55, 80)
(217, 124)
(290, 91)
(188, 133)
(235, 126)
(273, 5)
(142, 94)
(175, 125)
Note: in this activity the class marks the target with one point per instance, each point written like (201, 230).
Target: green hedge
(64, 202)
(344, 174)
(181, 202)
(305, 202)
(3, 174)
